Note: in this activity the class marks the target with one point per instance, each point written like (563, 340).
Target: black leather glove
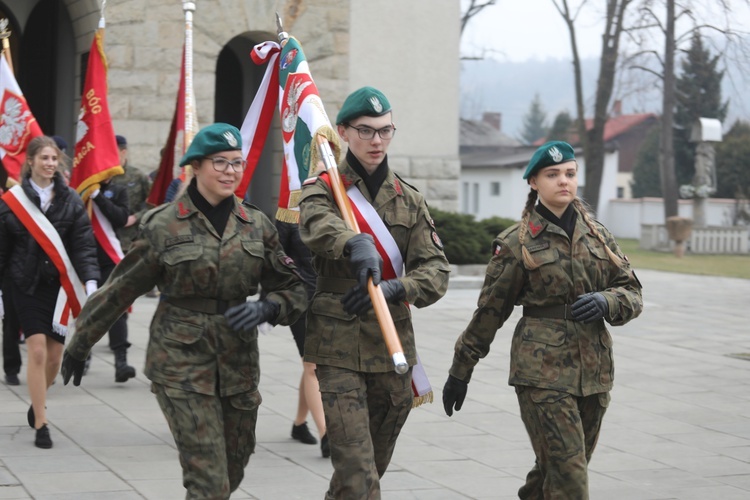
(454, 393)
(364, 259)
(357, 299)
(590, 307)
(245, 317)
(72, 367)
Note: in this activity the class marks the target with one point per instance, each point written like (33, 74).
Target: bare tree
(650, 19)
(593, 138)
(474, 8)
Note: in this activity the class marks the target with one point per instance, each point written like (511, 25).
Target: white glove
(2, 310)
(90, 287)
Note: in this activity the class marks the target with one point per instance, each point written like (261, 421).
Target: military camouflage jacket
(138, 187)
(179, 251)
(558, 354)
(334, 337)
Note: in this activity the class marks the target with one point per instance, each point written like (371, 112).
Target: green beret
(366, 101)
(550, 153)
(213, 139)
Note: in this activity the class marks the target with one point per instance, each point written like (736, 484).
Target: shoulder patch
(436, 239)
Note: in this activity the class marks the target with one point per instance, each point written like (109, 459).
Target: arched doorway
(46, 67)
(237, 82)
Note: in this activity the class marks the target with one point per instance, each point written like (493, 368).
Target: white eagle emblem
(555, 154)
(81, 126)
(13, 123)
(376, 106)
(289, 120)
(231, 140)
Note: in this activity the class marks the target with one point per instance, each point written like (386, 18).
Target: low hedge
(467, 241)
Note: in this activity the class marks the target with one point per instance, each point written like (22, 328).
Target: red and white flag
(175, 147)
(97, 157)
(17, 124)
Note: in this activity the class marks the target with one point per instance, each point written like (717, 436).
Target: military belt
(562, 311)
(201, 305)
(334, 285)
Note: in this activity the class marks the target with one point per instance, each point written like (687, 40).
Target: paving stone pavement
(678, 426)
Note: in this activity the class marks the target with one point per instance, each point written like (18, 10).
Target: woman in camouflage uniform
(207, 252)
(569, 275)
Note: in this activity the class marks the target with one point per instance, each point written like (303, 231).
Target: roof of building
(613, 128)
(476, 133)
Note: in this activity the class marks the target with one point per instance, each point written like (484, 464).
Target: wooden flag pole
(189, 8)
(379, 304)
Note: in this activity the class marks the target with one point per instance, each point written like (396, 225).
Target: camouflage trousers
(364, 416)
(564, 430)
(215, 437)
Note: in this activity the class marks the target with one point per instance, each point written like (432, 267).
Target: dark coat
(23, 259)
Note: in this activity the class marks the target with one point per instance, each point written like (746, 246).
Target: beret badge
(556, 155)
(231, 140)
(376, 106)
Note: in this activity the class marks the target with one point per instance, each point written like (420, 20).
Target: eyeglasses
(222, 164)
(367, 133)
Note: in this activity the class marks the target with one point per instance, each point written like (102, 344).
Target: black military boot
(123, 371)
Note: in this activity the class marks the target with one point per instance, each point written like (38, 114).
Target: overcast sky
(519, 30)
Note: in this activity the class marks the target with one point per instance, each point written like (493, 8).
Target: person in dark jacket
(35, 278)
(112, 200)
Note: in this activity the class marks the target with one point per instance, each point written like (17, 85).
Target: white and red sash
(72, 294)
(105, 234)
(393, 267)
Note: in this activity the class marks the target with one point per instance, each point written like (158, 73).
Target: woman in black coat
(35, 279)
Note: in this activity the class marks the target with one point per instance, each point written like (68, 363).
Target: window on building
(475, 199)
(465, 198)
(621, 192)
(494, 189)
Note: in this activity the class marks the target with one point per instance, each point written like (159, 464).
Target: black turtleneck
(374, 181)
(217, 215)
(567, 222)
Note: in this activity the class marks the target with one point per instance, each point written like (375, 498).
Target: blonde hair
(35, 146)
(582, 208)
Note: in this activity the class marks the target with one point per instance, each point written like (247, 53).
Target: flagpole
(189, 8)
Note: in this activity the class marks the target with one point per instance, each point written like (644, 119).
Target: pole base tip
(399, 360)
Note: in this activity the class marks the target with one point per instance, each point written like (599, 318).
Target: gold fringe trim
(420, 400)
(294, 197)
(333, 139)
(286, 215)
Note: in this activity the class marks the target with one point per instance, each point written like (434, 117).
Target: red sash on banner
(393, 267)
(72, 294)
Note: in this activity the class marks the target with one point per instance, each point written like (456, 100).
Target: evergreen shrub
(465, 240)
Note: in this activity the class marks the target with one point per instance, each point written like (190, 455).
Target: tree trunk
(594, 153)
(666, 150)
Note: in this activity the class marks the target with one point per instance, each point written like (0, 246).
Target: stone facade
(410, 50)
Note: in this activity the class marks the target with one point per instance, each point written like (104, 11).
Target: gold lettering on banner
(85, 150)
(94, 102)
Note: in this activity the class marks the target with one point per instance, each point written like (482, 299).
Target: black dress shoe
(325, 448)
(12, 379)
(302, 433)
(42, 438)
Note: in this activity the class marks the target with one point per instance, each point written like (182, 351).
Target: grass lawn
(735, 266)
